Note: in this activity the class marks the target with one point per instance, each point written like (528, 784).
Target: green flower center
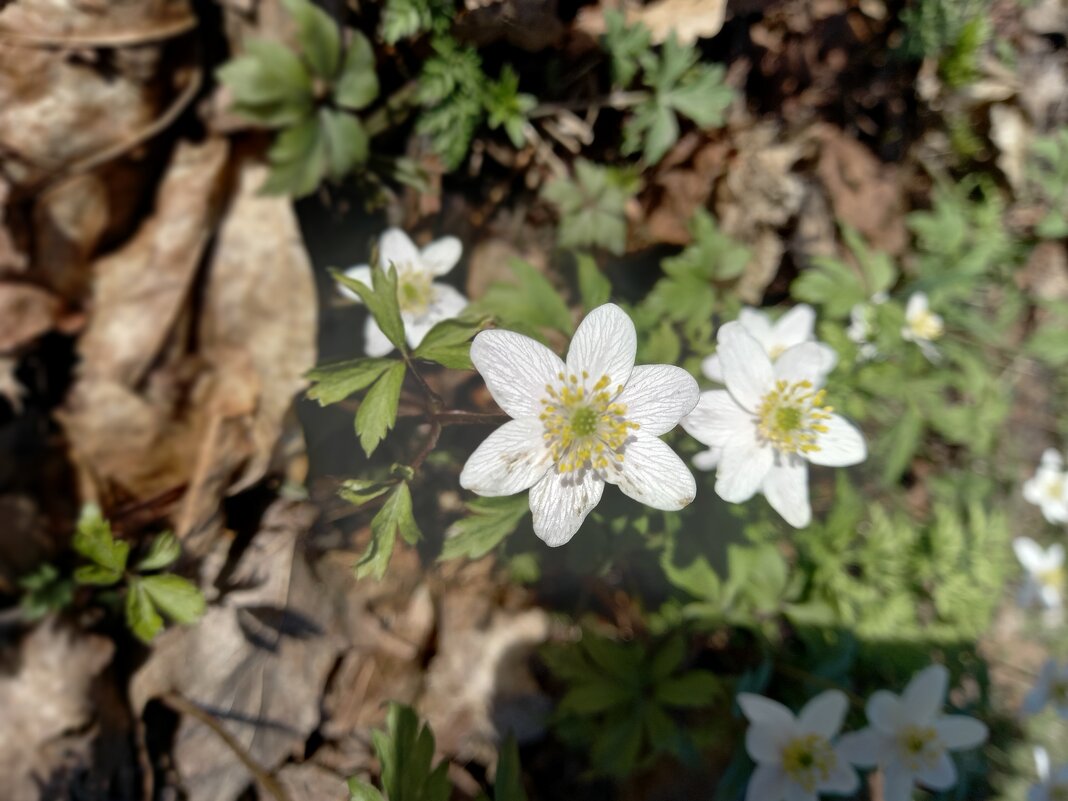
(585, 429)
(413, 292)
(926, 326)
(792, 416)
(809, 760)
(920, 747)
(584, 421)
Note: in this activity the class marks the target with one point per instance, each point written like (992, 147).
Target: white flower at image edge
(423, 302)
(922, 326)
(1045, 577)
(769, 423)
(1053, 784)
(1051, 688)
(909, 738)
(794, 327)
(580, 424)
(1048, 487)
(796, 756)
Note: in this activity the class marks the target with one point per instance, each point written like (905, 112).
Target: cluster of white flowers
(922, 326)
(908, 739)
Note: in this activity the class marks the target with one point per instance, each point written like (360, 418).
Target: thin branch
(616, 100)
(455, 417)
(428, 447)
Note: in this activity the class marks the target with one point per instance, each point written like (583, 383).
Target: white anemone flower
(1053, 784)
(769, 423)
(794, 327)
(922, 326)
(1048, 487)
(861, 328)
(1051, 688)
(796, 756)
(578, 425)
(1045, 577)
(909, 738)
(423, 302)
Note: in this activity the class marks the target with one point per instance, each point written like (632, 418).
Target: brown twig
(616, 100)
(428, 447)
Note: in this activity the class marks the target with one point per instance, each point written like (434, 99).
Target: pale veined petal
(441, 255)
(511, 459)
(396, 249)
(658, 396)
(768, 783)
(445, 303)
(743, 467)
(375, 343)
(916, 306)
(516, 370)
(959, 732)
(559, 504)
(712, 368)
(708, 460)
(925, 694)
(824, 714)
(763, 711)
(653, 474)
(361, 273)
(758, 324)
(747, 370)
(1031, 555)
(796, 326)
(897, 782)
(717, 418)
(604, 345)
(885, 712)
(802, 362)
(829, 357)
(843, 779)
(786, 487)
(840, 445)
(940, 776)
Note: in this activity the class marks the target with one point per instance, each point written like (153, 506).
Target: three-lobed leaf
(488, 522)
(332, 383)
(164, 550)
(395, 517)
(378, 411)
(93, 540)
(449, 343)
(178, 598)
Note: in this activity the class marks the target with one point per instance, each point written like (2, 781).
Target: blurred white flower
(1053, 784)
(596, 419)
(1048, 487)
(769, 423)
(796, 756)
(922, 326)
(1051, 688)
(1045, 577)
(423, 302)
(796, 326)
(861, 328)
(909, 738)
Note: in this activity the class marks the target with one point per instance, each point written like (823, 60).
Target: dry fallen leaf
(26, 312)
(83, 20)
(688, 20)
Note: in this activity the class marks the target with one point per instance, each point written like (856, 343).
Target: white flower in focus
(769, 423)
(1048, 487)
(796, 326)
(909, 738)
(922, 326)
(1045, 577)
(1051, 688)
(423, 302)
(796, 756)
(577, 425)
(1053, 784)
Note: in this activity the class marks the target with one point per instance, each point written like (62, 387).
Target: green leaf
(405, 751)
(361, 791)
(298, 160)
(704, 97)
(594, 287)
(903, 438)
(344, 140)
(96, 576)
(45, 591)
(711, 255)
(380, 299)
(507, 107)
(595, 698)
(163, 551)
(651, 129)
(668, 658)
(694, 689)
(531, 303)
(488, 522)
(626, 44)
(359, 491)
(178, 598)
(394, 516)
(508, 784)
(94, 541)
(269, 84)
(449, 343)
(829, 283)
(592, 206)
(451, 93)
(335, 382)
(357, 85)
(318, 35)
(378, 412)
(141, 616)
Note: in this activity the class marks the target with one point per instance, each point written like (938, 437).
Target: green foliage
(1049, 343)
(378, 411)
(837, 285)
(332, 383)
(93, 540)
(627, 45)
(402, 19)
(488, 522)
(621, 696)
(147, 596)
(528, 305)
(395, 517)
(952, 31)
(591, 206)
(449, 343)
(163, 552)
(507, 107)
(45, 591)
(1048, 173)
(594, 287)
(508, 784)
(450, 90)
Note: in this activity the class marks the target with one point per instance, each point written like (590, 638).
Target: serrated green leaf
(394, 517)
(668, 658)
(96, 576)
(508, 784)
(531, 302)
(378, 411)
(904, 438)
(178, 598)
(141, 616)
(318, 35)
(652, 129)
(94, 541)
(357, 85)
(362, 791)
(694, 689)
(335, 382)
(380, 299)
(405, 751)
(594, 287)
(449, 343)
(269, 84)
(298, 160)
(163, 551)
(627, 44)
(703, 97)
(488, 522)
(359, 491)
(345, 141)
(595, 698)
(592, 206)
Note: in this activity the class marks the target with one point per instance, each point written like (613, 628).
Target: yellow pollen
(926, 325)
(585, 428)
(1054, 577)
(920, 747)
(413, 291)
(792, 416)
(809, 760)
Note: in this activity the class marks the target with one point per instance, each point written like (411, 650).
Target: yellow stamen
(414, 291)
(925, 325)
(585, 428)
(920, 747)
(809, 760)
(792, 416)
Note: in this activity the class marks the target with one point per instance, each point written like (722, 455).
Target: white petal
(802, 362)
(917, 305)
(747, 370)
(445, 303)
(658, 396)
(441, 255)
(361, 273)
(1051, 597)
(758, 324)
(897, 782)
(885, 712)
(840, 445)
(824, 714)
(653, 474)
(604, 345)
(786, 488)
(516, 370)
(1054, 556)
(375, 343)
(864, 748)
(940, 776)
(707, 460)
(712, 368)
(396, 248)
(742, 468)
(559, 504)
(763, 711)
(843, 779)
(1052, 460)
(829, 357)
(717, 418)
(925, 694)
(959, 732)
(795, 792)
(1042, 763)
(511, 459)
(1031, 555)
(794, 327)
(768, 783)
